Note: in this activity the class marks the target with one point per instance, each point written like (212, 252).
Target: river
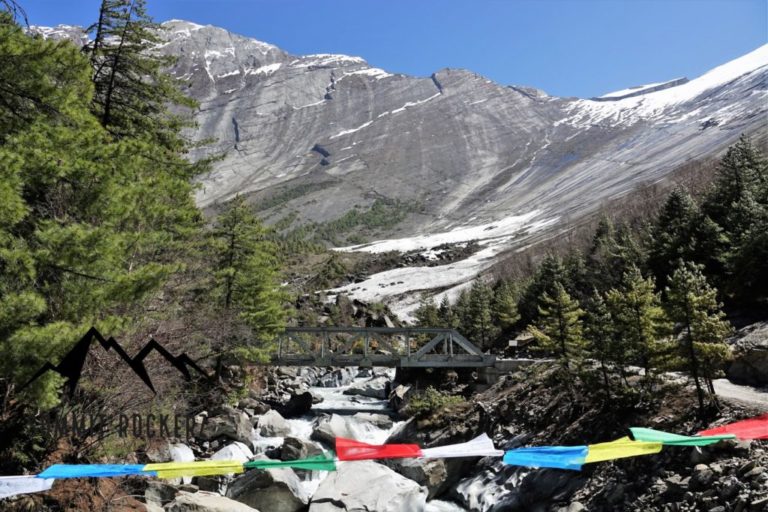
(335, 401)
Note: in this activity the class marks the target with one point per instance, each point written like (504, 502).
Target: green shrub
(431, 400)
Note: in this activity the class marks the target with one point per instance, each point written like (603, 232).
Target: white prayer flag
(481, 446)
(13, 485)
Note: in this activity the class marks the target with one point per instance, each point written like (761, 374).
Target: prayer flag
(560, 457)
(91, 470)
(13, 485)
(197, 468)
(349, 449)
(481, 446)
(754, 428)
(657, 436)
(317, 463)
(619, 449)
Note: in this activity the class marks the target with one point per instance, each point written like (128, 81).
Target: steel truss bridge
(378, 346)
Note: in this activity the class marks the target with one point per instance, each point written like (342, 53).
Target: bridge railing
(377, 346)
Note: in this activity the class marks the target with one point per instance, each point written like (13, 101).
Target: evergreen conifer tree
(638, 320)
(246, 270)
(692, 304)
(559, 330)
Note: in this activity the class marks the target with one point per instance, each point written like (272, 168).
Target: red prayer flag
(349, 449)
(754, 428)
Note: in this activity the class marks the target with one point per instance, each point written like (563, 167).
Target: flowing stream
(335, 401)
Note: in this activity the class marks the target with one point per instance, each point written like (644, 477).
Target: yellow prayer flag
(619, 449)
(198, 468)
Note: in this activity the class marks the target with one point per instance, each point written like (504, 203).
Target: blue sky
(566, 47)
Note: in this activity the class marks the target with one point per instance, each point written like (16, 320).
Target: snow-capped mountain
(484, 161)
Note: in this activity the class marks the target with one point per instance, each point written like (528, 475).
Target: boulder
(430, 473)
(335, 378)
(159, 493)
(367, 485)
(328, 428)
(702, 477)
(750, 362)
(251, 404)
(298, 405)
(294, 448)
(206, 502)
(271, 490)
(235, 451)
(272, 424)
(381, 421)
(230, 423)
(399, 396)
(180, 452)
(377, 387)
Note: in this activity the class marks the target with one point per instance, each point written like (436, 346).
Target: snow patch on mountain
(504, 227)
(400, 287)
(638, 89)
(585, 113)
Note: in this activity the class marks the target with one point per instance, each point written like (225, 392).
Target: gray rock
(230, 423)
(236, 451)
(328, 428)
(256, 406)
(159, 493)
(335, 378)
(272, 424)
(430, 473)
(750, 363)
(377, 387)
(367, 485)
(294, 448)
(298, 405)
(399, 396)
(701, 477)
(273, 490)
(206, 502)
(381, 421)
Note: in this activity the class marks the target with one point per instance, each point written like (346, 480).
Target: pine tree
(446, 314)
(89, 226)
(692, 304)
(559, 330)
(738, 204)
(682, 231)
(480, 317)
(638, 320)
(550, 271)
(427, 314)
(132, 91)
(245, 270)
(505, 296)
(597, 330)
(742, 170)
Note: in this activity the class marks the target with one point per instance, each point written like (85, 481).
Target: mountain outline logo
(71, 365)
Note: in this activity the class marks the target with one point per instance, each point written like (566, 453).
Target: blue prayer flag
(92, 470)
(561, 457)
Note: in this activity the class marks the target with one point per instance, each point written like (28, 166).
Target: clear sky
(565, 47)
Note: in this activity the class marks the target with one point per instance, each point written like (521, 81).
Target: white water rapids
(334, 400)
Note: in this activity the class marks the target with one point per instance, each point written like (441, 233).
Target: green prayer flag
(317, 463)
(657, 436)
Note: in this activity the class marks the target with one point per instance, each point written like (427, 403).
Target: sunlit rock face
(468, 149)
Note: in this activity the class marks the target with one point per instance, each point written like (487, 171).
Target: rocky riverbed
(300, 415)
(298, 412)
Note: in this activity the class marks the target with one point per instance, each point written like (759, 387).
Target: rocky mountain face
(309, 138)
(468, 149)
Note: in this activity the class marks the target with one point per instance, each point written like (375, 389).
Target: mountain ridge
(315, 137)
